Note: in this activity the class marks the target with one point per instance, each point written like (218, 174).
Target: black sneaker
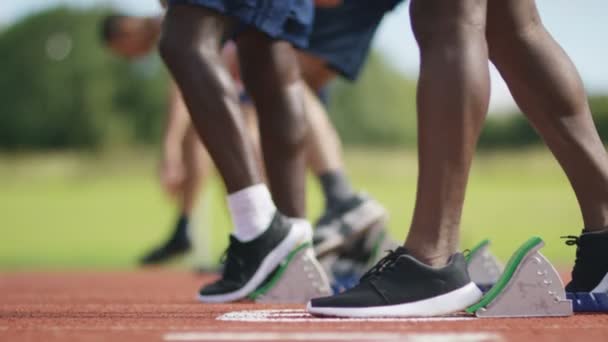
(354, 259)
(177, 245)
(588, 288)
(400, 286)
(345, 223)
(248, 264)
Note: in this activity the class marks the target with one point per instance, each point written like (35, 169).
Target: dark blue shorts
(342, 35)
(289, 20)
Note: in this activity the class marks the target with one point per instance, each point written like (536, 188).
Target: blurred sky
(580, 27)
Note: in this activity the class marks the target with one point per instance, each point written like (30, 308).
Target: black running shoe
(588, 289)
(350, 263)
(400, 286)
(177, 245)
(345, 223)
(248, 264)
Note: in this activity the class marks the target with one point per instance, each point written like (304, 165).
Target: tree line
(61, 89)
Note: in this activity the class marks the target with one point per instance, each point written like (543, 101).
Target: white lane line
(299, 316)
(333, 336)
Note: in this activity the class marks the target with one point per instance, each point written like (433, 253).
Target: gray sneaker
(343, 225)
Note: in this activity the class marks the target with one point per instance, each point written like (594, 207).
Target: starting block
(298, 279)
(529, 287)
(484, 268)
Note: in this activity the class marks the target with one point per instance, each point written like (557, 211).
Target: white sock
(252, 210)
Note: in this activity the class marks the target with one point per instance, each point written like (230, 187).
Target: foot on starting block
(529, 287)
(298, 279)
(484, 268)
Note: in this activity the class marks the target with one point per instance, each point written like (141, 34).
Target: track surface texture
(160, 305)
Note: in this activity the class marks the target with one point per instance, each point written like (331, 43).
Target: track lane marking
(300, 316)
(333, 336)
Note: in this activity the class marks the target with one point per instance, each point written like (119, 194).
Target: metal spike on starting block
(529, 287)
(298, 279)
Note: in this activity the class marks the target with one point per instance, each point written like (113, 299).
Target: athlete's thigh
(432, 18)
(198, 26)
(315, 71)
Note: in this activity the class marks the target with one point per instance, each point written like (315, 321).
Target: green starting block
(529, 287)
(298, 279)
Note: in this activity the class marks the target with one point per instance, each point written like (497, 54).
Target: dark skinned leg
(190, 46)
(272, 77)
(548, 89)
(453, 96)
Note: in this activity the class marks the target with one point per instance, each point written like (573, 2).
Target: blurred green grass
(76, 211)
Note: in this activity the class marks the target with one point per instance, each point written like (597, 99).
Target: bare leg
(196, 167)
(453, 96)
(280, 108)
(548, 89)
(315, 71)
(251, 120)
(195, 171)
(323, 146)
(190, 46)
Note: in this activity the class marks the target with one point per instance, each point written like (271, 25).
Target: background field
(73, 210)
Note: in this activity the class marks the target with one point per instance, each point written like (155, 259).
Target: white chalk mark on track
(300, 316)
(333, 336)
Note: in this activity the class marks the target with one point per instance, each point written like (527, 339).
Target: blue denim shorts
(342, 35)
(288, 20)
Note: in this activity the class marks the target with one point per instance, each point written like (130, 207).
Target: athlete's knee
(266, 61)
(508, 36)
(287, 129)
(440, 21)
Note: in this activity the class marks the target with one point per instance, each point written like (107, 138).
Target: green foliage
(379, 109)
(514, 130)
(59, 88)
(508, 130)
(599, 108)
(73, 211)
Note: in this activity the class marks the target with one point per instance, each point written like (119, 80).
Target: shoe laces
(385, 263)
(573, 240)
(232, 262)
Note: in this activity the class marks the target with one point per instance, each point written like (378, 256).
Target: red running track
(160, 305)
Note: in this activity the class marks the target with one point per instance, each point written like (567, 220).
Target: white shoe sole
(447, 303)
(300, 232)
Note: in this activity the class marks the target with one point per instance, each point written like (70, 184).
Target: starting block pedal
(589, 301)
(298, 279)
(529, 287)
(484, 268)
